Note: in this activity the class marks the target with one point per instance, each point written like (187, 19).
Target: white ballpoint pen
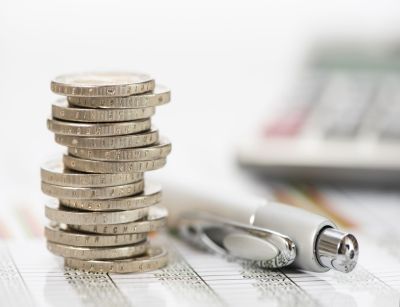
(230, 224)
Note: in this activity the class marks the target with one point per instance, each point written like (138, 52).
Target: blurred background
(232, 66)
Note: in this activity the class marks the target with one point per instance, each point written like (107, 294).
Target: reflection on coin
(61, 110)
(64, 215)
(157, 151)
(161, 95)
(109, 142)
(89, 253)
(150, 196)
(96, 84)
(155, 258)
(156, 219)
(117, 191)
(53, 172)
(91, 166)
(90, 130)
(63, 235)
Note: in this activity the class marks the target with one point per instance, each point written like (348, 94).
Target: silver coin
(91, 166)
(150, 196)
(102, 84)
(53, 172)
(155, 258)
(117, 191)
(61, 110)
(158, 151)
(161, 95)
(63, 235)
(109, 142)
(90, 130)
(65, 215)
(91, 253)
(156, 219)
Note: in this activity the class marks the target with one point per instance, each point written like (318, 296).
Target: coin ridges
(93, 193)
(89, 253)
(95, 130)
(109, 142)
(155, 258)
(61, 110)
(68, 216)
(64, 235)
(53, 172)
(161, 95)
(91, 166)
(157, 151)
(150, 196)
(156, 219)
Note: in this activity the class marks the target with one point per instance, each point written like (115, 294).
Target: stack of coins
(104, 209)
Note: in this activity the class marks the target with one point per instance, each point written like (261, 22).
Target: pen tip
(337, 250)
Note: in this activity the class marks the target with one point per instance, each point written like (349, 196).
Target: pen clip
(259, 246)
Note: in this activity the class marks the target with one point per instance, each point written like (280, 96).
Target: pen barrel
(226, 205)
(301, 226)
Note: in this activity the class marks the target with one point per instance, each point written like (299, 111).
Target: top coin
(102, 84)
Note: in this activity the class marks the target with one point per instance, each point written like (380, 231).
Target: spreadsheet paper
(32, 276)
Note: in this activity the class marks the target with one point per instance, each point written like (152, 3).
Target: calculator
(341, 122)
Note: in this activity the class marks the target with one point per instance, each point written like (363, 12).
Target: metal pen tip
(337, 250)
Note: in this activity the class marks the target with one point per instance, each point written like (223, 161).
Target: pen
(320, 245)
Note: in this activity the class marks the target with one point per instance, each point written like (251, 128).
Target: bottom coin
(89, 253)
(155, 258)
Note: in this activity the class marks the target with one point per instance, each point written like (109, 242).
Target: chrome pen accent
(262, 247)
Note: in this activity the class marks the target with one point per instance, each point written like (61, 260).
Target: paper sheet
(31, 276)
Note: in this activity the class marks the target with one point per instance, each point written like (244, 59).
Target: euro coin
(109, 142)
(61, 110)
(155, 258)
(91, 166)
(153, 152)
(95, 130)
(69, 216)
(156, 219)
(161, 95)
(89, 253)
(117, 191)
(106, 84)
(54, 172)
(63, 235)
(149, 197)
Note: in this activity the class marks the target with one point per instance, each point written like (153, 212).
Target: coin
(105, 129)
(58, 191)
(110, 84)
(90, 253)
(109, 142)
(65, 215)
(161, 95)
(156, 219)
(61, 110)
(150, 196)
(53, 172)
(91, 166)
(63, 235)
(158, 151)
(155, 258)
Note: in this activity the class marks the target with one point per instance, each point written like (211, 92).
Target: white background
(225, 61)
